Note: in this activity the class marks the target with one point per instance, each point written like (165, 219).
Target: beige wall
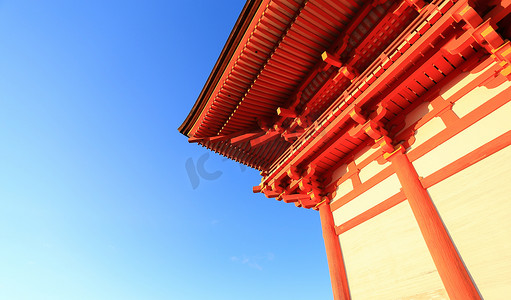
(386, 257)
(488, 128)
(380, 192)
(475, 205)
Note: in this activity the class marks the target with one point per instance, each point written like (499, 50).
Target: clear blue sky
(96, 201)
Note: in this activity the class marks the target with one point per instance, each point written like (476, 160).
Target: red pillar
(333, 254)
(451, 269)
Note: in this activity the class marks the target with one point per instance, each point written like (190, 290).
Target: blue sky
(96, 201)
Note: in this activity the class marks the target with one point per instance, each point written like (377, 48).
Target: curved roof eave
(243, 22)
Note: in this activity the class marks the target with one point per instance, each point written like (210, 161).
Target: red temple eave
(240, 33)
(273, 87)
(461, 46)
(273, 114)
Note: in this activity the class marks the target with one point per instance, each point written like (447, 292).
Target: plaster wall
(385, 255)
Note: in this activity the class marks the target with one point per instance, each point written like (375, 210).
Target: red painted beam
(194, 139)
(331, 60)
(257, 189)
(294, 197)
(292, 135)
(245, 137)
(284, 112)
(338, 276)
(269, 136)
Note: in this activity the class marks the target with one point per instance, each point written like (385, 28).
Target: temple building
(391, 119)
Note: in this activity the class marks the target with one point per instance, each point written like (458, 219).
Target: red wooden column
(451, 269)
(333, 254)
